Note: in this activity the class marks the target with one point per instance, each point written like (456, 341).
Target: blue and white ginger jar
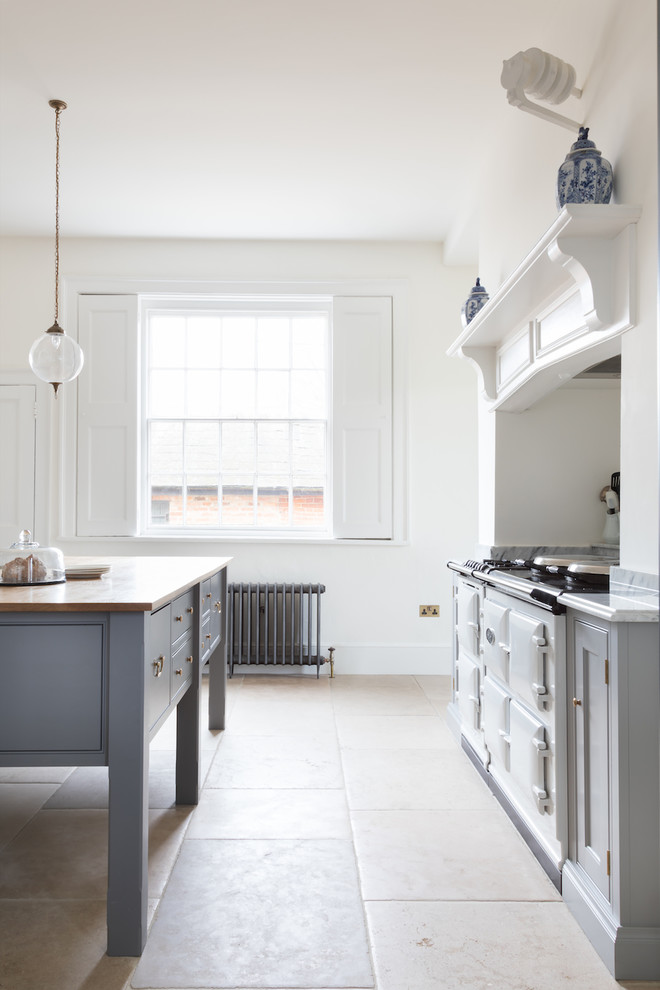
(475, 301)
(584, 176)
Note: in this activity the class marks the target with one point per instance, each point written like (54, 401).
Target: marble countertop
(613, 607)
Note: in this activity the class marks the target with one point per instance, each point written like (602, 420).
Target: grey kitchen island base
(91, 671)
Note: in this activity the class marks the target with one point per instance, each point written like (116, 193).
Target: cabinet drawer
(182, 666)
(206, 638)
(183, 611)
(158, 664)
(207, 596)
(217, 606)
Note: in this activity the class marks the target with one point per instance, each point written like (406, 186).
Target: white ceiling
(333, 119)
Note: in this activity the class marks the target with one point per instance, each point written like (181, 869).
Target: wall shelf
(561, 311)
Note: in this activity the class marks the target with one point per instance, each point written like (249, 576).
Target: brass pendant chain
(58, 111)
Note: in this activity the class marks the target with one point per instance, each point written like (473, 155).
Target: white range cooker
(509, 686)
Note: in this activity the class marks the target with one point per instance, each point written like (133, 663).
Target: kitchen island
(91, 669)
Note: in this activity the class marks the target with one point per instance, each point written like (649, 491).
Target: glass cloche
(27, 563)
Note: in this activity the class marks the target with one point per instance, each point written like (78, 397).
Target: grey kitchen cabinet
(90, 670)
(611, 878)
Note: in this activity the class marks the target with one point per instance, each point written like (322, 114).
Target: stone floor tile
(364, 694)
(392, 732)
(259, 913)
(19, 802)
(499, 946)
(276, 814)
(58, 945)
(252, 716)
(276, 761)
(445, 855)
(413, 779)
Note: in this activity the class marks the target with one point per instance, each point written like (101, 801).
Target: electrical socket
(427, 610)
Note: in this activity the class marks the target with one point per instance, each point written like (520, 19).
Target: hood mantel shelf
(562, 310)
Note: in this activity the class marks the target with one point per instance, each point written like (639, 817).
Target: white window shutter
(362, 417)
(107, 492)
(17, 456)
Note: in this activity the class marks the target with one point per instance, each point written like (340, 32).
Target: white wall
(373, 592)
(616, 67)
(561, 453)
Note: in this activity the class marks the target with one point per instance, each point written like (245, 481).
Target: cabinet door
(591, 708)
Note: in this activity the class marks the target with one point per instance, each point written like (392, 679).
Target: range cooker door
(496, 639)
(468, 693)
(467, 618)
(528, 647)
(496, 722)
(528, 754)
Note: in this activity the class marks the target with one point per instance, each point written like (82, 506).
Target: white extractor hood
(562, 310)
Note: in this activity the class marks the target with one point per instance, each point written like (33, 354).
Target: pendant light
(54, 357)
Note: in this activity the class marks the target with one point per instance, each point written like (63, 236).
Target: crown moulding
(562, 310)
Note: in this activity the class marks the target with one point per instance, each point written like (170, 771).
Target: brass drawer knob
(209, 595)
(576, 703)
(190, 610)
(179, 671)
(208, 635)
(218, 606)
(189, 659)
(178, 618)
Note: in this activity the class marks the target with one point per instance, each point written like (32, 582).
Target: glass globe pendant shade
(56, 358)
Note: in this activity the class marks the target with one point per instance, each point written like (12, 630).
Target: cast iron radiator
(275, 624)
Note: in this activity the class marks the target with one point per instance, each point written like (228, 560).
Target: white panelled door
(362, 417)
(17, 456)
(107, 496)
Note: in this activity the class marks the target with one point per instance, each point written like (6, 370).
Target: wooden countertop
(133, 584)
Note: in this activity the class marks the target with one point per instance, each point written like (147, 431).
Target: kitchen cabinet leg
(128, 764)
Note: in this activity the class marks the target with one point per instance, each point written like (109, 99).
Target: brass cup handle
(158, 665)
(576, 703)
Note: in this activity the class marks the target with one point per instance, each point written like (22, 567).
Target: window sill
(152, 539)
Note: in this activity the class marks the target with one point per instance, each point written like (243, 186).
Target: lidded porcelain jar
(475, 301)
(584, 176)
(27, 563)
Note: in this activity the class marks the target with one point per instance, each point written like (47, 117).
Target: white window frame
(396, 289)
(251, 304)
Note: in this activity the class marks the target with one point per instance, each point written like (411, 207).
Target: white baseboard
(368, 658)
(391, 658)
